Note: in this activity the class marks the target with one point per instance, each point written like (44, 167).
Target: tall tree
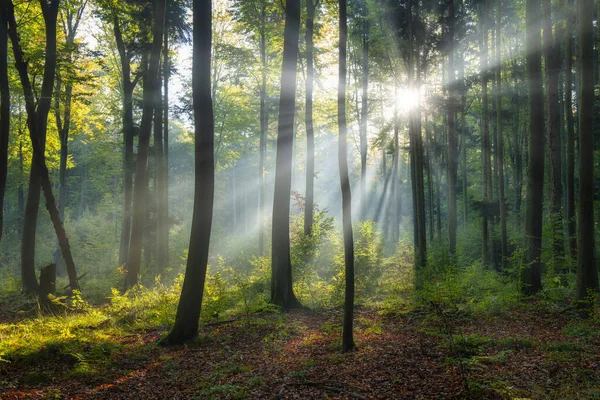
(570, 156)
(4, 108)
(190, 303)
(364, 109)
(37, 122)
(485, 130)
(500, 140)
(282, 292)
(347, 333)
(553, 64)
(150, 98)
(310, 133)
(532, 271)
(452, 159)
(587, 274)
(71, 16)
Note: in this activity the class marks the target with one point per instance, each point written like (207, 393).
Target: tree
(310, 132)
(485, 130)
(37, 122)
(190, 302)
(570, 157)
(282, 293)
(587, 274)
(553, 65)
(500, 141)
(452, 159)
(4, 108)
(71, 16)
(150, 99)
(347, 334)
(532, 272)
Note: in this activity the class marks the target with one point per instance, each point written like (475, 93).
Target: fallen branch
(78, 279)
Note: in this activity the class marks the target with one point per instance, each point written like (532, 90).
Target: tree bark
(452, 159)
(587, 274)
(282, 293)
(532, 271)
(485, 141)
(500, 143)
(263, 134)
(4, 108)
(310, 134)
(190, 303)
(37, 121)
(570, 166)
(150, 98)
(364, 115)
(128, 139)
(553, 64)
(347, 333)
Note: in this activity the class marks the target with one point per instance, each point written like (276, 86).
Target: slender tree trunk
(37, 121)
(162, 233)
(282, 293)
(150, 98)
(517, 145)
(532, 271)
(347, 334)
(263, 136)
(485, 141)
(451, 134)
(364, 114)
(500, 143)
(128, 139)
(310, 134)
(395, 234)
(570, 211)
(190, 303)
(587, 274)
(4, 109)
(552, 58)
(161, 147)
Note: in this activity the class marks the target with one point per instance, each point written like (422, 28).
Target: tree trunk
(553, 64)
(451, 134)
(485, 141)
(37, 121)
(150, 98)
(162, 167)
(310, 134)
(364, 115)
(162, 232)
(4, 109)
(570, 210)
(128, 138)
(500, 143)
(282, 293)
(347, 334)
(587, 274)
(263, 137)
(190, 303)
(532, 271)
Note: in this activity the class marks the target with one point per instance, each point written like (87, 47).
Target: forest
(299, 199)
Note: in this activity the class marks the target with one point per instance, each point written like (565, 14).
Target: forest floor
(430, 353)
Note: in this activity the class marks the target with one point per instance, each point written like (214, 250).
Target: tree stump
(47, 286)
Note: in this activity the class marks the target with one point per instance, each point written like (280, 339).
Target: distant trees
(190, 303)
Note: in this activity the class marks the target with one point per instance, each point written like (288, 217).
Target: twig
(227, 321)
(69, 285)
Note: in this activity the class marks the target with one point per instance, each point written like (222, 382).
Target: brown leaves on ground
(523, 354)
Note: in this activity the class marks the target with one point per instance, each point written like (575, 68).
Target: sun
(407, 99)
